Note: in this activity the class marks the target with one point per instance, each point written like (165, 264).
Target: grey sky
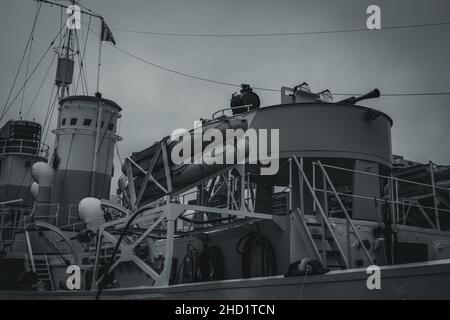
(156, 102)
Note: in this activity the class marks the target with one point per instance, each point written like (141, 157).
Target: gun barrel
(370, 95)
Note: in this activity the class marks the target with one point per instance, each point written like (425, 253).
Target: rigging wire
(65, 170)
(21, 62)
(80, 63)
(21, 185)
(50, 120)
(118, 154)
(106, 168)
(109, 147)
(29, 77)
(300, 294)
(83, 56)
(60, 23)
(50, 104)
(28, 66)
(254, 88)
(40, 87)
(260, 88)
(424, 25)
(106, 131)
(51, 117)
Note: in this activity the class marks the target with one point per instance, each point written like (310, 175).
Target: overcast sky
(156, 102)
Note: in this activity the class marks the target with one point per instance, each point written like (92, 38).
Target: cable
(29, 77)
(108, 149)
(189, 265)
(254, 88)
(50, 104)
(40, 87)
(50, 119)
(106, 131)
(300, 294)
(83, 56)
(118, 154)
(211, 263)
(266, 89)
(415, 94)
(28, 65)
(106, 165)
(20, 64)
(65, 170)
(278, 34)
(80, 64)
(49, 116)
(178, 72)
(106, 274)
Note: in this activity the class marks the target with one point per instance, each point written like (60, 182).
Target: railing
(11, 223)
(222, 111)
(229, 188)
(52, 215)
(20, 146)
(401, 205)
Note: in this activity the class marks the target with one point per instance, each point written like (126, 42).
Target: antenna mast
(66, 52)
(65, 69)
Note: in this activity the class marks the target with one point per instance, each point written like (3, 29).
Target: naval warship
(340, 211)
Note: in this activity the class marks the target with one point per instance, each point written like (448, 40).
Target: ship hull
(427, 280)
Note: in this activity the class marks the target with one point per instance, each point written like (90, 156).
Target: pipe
(96, 146)
(11, 202)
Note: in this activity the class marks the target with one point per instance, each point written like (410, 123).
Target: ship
(341, 218)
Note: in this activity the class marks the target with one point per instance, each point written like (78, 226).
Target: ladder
(326, 246)
(320, 242)
(322, 236)
(43, 271)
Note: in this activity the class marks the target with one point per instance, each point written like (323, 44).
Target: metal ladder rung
(331, 253)
(319, 237)
(313, 224)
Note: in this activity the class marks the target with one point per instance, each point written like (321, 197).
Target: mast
(66, 62)
(66, 53)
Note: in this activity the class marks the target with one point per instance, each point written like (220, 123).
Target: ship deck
(426, 280)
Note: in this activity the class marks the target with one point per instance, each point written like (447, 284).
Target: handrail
(50, 275)
(393, 185)
(349, 221)
(247, 106)
(24, 146)
(385, 177)
(322, 212)
(30, 251)
(10, 202)
(383, 200)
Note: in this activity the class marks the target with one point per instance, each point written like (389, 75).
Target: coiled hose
(247, 247)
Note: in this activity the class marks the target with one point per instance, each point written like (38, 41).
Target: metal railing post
(397, 202)
(314, 183)
(302, 193)
(290, 185)
(435, 202)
